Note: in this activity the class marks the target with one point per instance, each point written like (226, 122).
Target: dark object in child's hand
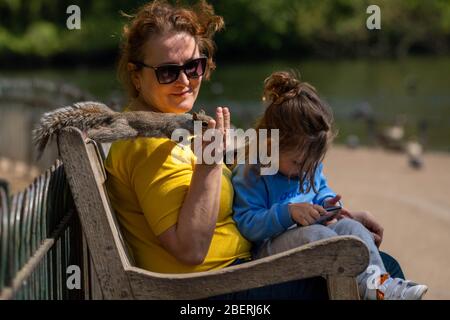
(332, 212)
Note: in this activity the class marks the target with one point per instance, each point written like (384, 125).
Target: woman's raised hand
(226, 125)
(214, 139)
(222, 122)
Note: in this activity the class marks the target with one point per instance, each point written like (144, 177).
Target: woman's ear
(131, 67)
(134, 75)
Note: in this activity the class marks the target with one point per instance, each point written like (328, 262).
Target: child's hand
(329, 202)
(304, 213)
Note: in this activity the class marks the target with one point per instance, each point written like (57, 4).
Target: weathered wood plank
(96, 288)
(343, 257)
(342, 288)
(86, 182)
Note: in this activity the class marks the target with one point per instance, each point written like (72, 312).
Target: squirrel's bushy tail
(82, 115)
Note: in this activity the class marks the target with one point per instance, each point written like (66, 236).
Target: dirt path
(18, 174)
(412, 205)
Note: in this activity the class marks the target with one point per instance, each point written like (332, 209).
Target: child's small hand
(332, 201)
(304, 213)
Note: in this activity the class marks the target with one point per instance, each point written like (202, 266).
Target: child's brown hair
(303, 119)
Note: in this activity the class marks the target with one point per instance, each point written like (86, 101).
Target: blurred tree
(37, 29)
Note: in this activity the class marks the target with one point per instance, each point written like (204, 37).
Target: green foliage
(253, 28)
(335, 27)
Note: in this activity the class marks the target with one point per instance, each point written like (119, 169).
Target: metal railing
(40, 238)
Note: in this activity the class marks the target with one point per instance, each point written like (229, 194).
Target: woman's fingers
(377, 239)
(226, 126)
(344, 213)
(211, 124)
(226, 118)
(376, 229)
(219, 119)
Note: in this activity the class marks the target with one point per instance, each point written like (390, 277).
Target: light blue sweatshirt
(261, 202)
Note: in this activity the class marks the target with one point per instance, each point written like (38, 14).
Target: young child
(278, 212)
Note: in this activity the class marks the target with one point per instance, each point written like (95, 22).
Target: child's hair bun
(280, 86)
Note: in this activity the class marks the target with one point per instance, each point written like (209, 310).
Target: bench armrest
(337, 257)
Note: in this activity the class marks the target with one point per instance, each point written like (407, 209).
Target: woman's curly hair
(160, 17)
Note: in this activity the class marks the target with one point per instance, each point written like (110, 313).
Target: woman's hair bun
(280, 86)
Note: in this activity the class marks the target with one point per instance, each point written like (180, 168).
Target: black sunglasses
(168, 73)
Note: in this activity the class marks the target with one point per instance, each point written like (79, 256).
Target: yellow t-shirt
(148, 179)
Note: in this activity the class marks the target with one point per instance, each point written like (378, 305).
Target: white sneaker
(397, 289)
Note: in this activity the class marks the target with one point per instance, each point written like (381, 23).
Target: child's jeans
(295, 237)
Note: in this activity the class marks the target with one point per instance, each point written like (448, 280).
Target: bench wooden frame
(338, 259)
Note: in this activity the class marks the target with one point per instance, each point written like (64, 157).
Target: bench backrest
(83, 163)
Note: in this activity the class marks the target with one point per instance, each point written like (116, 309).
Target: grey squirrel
(102, 124)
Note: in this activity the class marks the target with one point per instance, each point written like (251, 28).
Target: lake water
(415, 89)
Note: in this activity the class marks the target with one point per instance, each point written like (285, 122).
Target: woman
(176, 214)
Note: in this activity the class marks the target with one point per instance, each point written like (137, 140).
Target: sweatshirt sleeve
(254, 217)
(324, 191)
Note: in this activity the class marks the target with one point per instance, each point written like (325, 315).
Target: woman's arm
(190, 238)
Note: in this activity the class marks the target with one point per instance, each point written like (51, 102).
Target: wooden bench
(338, 259)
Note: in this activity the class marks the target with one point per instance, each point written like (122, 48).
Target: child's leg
(293, 238)
(352, 227)
(371, 285)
